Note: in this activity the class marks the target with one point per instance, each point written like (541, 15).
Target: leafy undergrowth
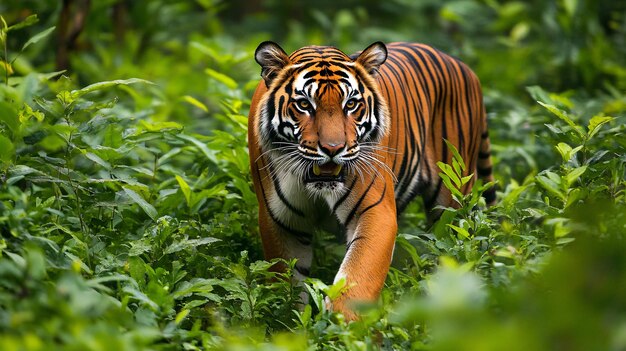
(123, 230)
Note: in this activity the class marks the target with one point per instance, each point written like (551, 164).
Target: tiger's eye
(350, 104)
(304, 104)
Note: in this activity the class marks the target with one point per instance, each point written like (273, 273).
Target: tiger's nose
(331, 149)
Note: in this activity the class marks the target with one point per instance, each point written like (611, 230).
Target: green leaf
(195, 286)
(550, 186)
(560, 226)
(448, 183)
(596, 123)
(141, 297)
(160, 126)
(565, 150)
(511, 198)
(467, 178)
(145, 206)
(519, 31)
(215, 191)
(35, 262)
(9, 115)
(7, 149)
(456, 155)
(75, 94)
(195, 102)
(570, 7)
(314, 286)
(574, 174)
(222, 78)
(28, 21)
(184, 187)
(335, 290)
(210, 154)
(37, 37)
(448, 171)
(95, 158)
(457, 167)
(574, 196)
(181, 316)
(563, 116)
(461, 231)
(137, 269)
(305, 316)
(189, 243)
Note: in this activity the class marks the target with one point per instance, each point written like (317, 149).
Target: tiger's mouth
(328, 172)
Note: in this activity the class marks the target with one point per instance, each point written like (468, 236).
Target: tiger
(343, 144)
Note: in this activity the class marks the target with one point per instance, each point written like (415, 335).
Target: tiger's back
(432, 96)
(346, 142)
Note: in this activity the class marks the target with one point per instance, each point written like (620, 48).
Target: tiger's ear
(372, 57)
(272, 59)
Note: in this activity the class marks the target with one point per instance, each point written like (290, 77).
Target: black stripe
(352, 242)
(377, 202)
(484, 172)
(485, 134)
(484, 155)
(430, 203)
(310, 74)
(490, 195)
(344, 196)
(288, 86)
(302, 237)
(358, 203)
(282, 197)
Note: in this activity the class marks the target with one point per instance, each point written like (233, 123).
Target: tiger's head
(323, 114)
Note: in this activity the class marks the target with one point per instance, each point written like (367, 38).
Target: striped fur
(344, 143)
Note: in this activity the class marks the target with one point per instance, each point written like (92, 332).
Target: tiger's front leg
(285, 243)
(371, 232)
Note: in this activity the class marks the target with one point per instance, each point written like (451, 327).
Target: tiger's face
(323, 115)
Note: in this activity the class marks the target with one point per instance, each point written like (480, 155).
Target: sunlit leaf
(449, 172)
(574, 174)
(461, 231)
(184, 187)
(596, 123)
(222, 78)
(563, 116)
(195, 102)
(189, 243)
(180, 316)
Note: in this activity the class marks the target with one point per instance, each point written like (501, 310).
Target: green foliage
(128, 221)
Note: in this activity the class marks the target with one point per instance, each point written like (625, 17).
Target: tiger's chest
(299, 208)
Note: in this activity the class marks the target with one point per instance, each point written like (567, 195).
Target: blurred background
(560, 44)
